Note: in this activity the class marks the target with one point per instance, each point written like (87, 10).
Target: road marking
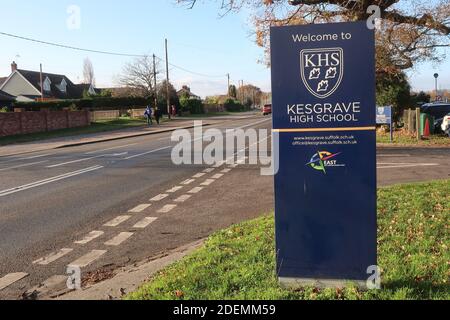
(11, 278)
(226, 170)
(233, 165)
(209, 170)
(119, 239)
(140, 208)
(217, 176)
(199, 175)
(159, 197)
(148, 152)
(175, 189)
(394, 155)
(144, 223)
(52, 257)
(112, 148)
(207, 182)
(91, 236)
(167, 208)
(73, 161)
(49, 180)
(116, 221)
(408, 165)
(87, 259)
(23, 165)
(183, 198)
(219, 164)
(188, 181)
(196, 190)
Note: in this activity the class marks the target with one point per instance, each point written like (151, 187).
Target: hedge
(88, 103)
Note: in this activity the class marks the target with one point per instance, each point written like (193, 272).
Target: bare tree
(88, 72)
(409, 31)
(139, 76)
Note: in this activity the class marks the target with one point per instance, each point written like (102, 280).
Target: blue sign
(323, 87)
(384, 115)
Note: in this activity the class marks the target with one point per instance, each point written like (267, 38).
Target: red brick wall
(14, 123)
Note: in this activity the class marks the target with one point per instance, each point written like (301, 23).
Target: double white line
(47, 181)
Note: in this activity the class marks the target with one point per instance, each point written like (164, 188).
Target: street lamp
(436, 76)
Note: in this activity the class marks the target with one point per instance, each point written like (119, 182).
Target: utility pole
(228, 77)
(436, 76)
(167, 82)
(42, 85)
(154, 81)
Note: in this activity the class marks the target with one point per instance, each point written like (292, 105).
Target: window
(47, 85)
(63, 86)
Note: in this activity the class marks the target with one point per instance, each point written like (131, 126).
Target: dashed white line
(88, 258)
(23, 165)
(35, 157)
(73, 161)
(207, 182)
(159, 197)
(188, 181)
(196, 190)
(148, 152)
(119, 239)
(47, 181)
(199, 175)
(140, 208)
(52, 257)
(112, 148)
(144, 223)
(116, 221)
(11, 278)
(175, 189)
(217, 176)
(183, 198)
(226, 170)
(91, 236)
(167, 208)
(209, 170)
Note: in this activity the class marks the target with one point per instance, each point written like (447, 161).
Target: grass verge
(402, 138)
(238, 263)
(96, 127)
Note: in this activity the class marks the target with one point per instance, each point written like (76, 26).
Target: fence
(137, 113)
(15, 123)
(105, 115)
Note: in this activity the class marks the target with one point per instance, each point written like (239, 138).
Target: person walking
(148, 114)
(157, 115)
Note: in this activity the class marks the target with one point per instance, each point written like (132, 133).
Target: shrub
(232, 105)
(193, 106)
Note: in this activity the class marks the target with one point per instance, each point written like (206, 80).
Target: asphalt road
(56, 206)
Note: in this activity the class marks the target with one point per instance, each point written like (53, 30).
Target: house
(6, 99)
(186, 91)
(26, 86)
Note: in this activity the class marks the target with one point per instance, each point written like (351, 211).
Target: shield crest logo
(322, 70)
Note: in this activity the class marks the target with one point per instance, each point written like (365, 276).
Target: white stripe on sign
(144, 223)
(140, 208)
(167, 208)
(119, 239)
(175, 189)
(9, 279)
(116, 221)
(199, 175)
(196, 190)
(209, 170)
(87, 259)
(159, 197)
(91, 236)
(183, 198)
(47, 181)
(207, 182)
(226, 170)
(23, 165)
(52, 257)
(188, 181)
(217, 176)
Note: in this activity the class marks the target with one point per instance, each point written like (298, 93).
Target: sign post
(323, 86)
(384, 116)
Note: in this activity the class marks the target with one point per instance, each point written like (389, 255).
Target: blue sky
(198, 40)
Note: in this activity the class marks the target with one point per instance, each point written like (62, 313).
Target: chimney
(13, 66)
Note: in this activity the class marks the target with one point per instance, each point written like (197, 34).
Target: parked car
(267, 109)
(438, 111)
(445, 126)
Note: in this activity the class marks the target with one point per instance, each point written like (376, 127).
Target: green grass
(239, 262)
(401, 138)
(208, 115)
(96, 127)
